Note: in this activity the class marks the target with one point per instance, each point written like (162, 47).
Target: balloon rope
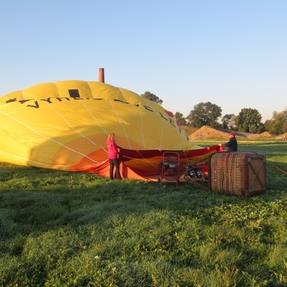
(68, 124)
(106, 132)
(143, 138)
(122, 125)
(49, 139)
(161, 130)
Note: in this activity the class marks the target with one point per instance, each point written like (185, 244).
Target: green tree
(229, 122)
(267, 125)
(152, 97)
(204, 114)
(278, 123)
(249, 120)
(180, 119)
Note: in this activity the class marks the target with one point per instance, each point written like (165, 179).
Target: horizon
(231, 54)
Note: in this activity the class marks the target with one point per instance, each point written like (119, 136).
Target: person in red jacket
(113, 156)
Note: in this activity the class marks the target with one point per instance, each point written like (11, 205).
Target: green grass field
(63, 229)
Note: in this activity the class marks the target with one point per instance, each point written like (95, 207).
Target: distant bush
(278, 124)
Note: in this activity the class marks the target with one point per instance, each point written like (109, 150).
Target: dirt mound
(282, 137)
(206, 133)
(188, 130)
(264, 135)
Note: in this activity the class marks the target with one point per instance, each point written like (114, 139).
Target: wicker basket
(237, 173)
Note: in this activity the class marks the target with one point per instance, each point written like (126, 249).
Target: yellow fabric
(44, 126)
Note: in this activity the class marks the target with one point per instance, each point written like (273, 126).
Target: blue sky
(232, 53)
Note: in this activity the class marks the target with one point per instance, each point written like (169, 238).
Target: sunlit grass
(63, 229)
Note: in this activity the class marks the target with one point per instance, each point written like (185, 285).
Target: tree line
(248, 120)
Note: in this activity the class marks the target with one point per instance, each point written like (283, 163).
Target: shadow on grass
(58, 226)
(55, 222)
(36, 200)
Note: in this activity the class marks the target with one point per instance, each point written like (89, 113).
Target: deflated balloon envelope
(64, 125)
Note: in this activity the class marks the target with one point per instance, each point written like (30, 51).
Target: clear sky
(232, 53)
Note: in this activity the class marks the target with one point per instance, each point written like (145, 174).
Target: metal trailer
(170, 167)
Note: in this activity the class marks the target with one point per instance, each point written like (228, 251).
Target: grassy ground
(62, 229)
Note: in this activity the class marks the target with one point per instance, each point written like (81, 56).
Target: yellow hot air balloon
(64, 125)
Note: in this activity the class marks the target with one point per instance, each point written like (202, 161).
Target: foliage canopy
(152, 97)
(278, 123)
(180, 119)
(249, 120)
(204, 114)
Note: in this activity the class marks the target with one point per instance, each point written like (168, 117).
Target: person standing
(113, 156)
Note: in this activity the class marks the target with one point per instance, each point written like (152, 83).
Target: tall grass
(63, 229)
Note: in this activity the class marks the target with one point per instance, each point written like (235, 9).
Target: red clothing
(112, 149)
